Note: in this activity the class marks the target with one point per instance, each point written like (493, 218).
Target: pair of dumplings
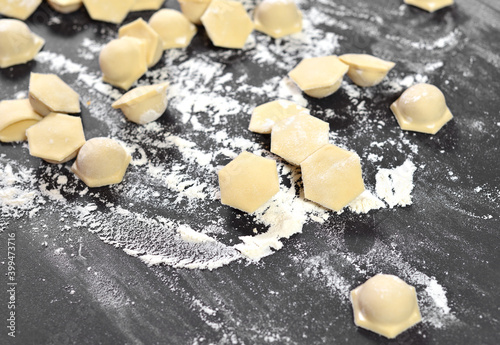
(320, 77)
(140, 46)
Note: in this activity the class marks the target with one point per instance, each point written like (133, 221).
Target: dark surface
(447, 233)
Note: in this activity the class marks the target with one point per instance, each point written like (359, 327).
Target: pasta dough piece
(141, 30)
(227, 23)
(144, 5)
(194, 9)
(430, 5)
(266, 115)
(366, 70)
(319, 77)
(248, 182)
(297, 137)
(15, 117)
(386, 305)
(101, 162)
(421, 108)
(332, 177)
(57, 138)
(278, 18)
(49, 94)
(175, 30)
(65, 6)
(112, 11)
(19, 9)
(123, 61)
(17, 43)
(144, 103)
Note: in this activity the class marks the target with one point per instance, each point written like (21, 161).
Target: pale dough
(17, 43)
(248, 182)
(145, 5)
(366, 70)
(144, 103)
(421, 108)
(101, 162)
(278, 18)
(194, 9)
(266, 115)
(57, 138)
(332, 177)
(153, 42)
(123, 61)
(319, 77)
(20, 9)
(175, 30)
(297, 137)
(227, 23)
(15, 117)
(430, 5)
(386, 305)
(48, 94)
(112, 11)
(65, 6)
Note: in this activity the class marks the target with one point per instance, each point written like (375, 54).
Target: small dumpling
(18, 44)
(174, 28)
(266, 115)
(153, 42)
(144, 104)
(57, 138)
(278, 18)
(101, 162)
(385, 304)
(430, 5)
(123, 61)
(366, 70)
(15, 117)
(421, 108)
(319, 77)
(50, 94)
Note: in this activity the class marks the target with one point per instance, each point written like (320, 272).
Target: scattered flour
(394, 186)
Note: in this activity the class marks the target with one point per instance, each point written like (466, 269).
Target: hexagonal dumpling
(278, 18)
(266, 115)
(248, 182)
(144, 103)
(175, 30)
(297, 137)
(320, 76)
(430, 5)
(366, 70)
(57, 138)
(386, 305)
(15, 117)
(17, 43)
(421, 108)
(112, 11)
(123, 61)
(65, 6)
(332, 177)
(227, 23)
(194, 9)
(101, 162)
(141, 30)
(18, 9)
(145, 5)
(49, 94)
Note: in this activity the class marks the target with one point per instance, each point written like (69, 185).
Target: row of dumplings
(57, 137)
